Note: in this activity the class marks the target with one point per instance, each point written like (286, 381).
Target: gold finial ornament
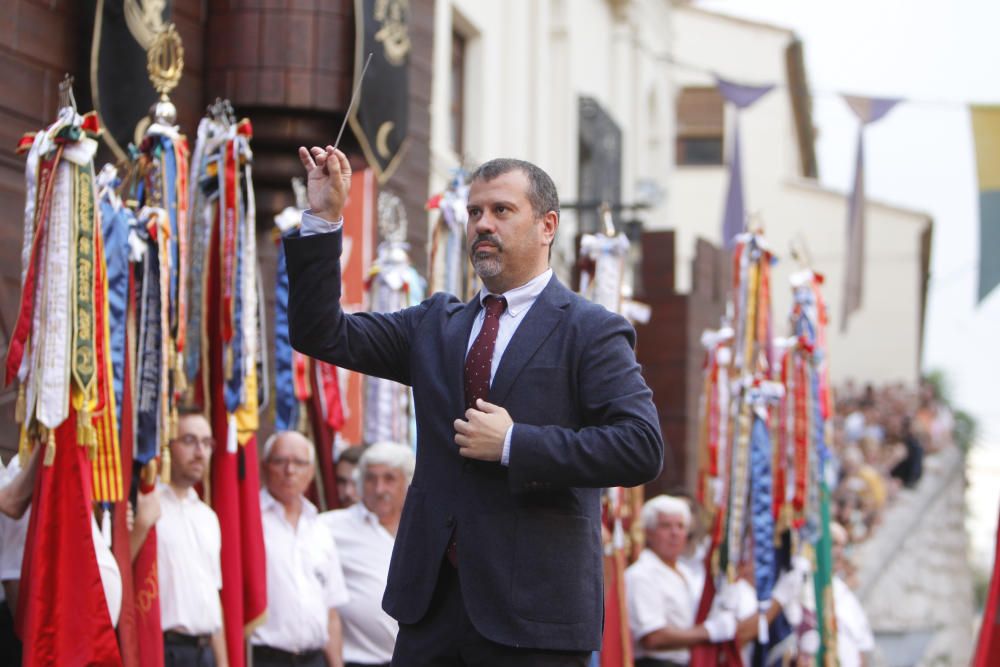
(165, 60)
(165, 64)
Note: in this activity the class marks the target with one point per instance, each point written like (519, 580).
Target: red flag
(988, 647)
(709, 655)
(235, 492)
(63, 612)
(616, 648)
(128, 623)
(326, 416)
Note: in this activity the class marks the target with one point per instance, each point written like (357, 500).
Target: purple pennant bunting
(868, 110)
(741, 97)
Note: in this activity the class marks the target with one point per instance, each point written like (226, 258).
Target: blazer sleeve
(370, 343)
(619, 442)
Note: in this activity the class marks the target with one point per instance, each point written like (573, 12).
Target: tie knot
(494, 305)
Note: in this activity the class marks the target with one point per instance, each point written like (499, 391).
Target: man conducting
(365, 533)
(528, 401)
(188, 547)
(304, 581)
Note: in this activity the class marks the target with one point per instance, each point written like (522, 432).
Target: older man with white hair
(661, 597)
(305, 583)
(365, 534)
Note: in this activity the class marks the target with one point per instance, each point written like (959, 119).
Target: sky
(938, 57)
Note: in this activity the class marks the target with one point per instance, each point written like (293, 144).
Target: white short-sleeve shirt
(658, 596)
(365, 551)
(854, 634)
(304, 578)
(188, 548)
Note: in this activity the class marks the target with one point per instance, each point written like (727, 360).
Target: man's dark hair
(351, 454)
(542, 191)
(188, 409)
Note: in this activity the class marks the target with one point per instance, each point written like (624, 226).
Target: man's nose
(485, 224)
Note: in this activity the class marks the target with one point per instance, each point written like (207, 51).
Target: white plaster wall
(527, 64)
(881, 343)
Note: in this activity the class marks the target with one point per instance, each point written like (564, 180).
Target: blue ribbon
(762, 518)
(169, 180)
(115, 225)
(234, 383)
(149, 357)
(286, 407)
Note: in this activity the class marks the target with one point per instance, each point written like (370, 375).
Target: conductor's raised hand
(481, 434)
(328, 180)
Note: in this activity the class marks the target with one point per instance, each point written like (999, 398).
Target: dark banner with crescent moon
(380, 114)
(119, 81)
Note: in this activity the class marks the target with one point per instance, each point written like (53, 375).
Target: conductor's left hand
(481, 434)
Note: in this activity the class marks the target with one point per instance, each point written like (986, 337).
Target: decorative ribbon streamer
(868, 110)
(741, 97)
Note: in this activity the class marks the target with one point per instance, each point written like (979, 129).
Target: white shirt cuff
(505, 454)
(313, 225)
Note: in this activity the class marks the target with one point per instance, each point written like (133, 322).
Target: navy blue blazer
(529, 534)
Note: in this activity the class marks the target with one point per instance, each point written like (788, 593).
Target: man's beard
(487, 265)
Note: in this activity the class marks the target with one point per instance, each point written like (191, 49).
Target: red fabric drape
(988, 647)
(63, 613)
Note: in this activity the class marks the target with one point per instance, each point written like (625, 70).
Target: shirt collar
(364, 513)
(269, 503)
(521, 298)
(189, 497)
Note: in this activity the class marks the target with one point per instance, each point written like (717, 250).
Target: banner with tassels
(604, 279)
(393, 284)
(450, 270)
(763, 461)
(307, 391)
(59, 353)
(222, 361)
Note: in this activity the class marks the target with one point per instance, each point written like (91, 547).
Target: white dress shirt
(519, 301)
(365, 550)
(658, 596)
(111, 576)
(304, 578)
(854, 634)
(188, 548)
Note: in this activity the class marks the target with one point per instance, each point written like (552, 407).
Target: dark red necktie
(480, 358)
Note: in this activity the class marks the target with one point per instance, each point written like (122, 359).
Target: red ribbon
(229, 223)
(18, 341)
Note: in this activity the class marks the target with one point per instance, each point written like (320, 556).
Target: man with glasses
(305, 583)
(188, 546)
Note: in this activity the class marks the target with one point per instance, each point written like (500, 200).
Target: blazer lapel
(539, 322)
(456, 340)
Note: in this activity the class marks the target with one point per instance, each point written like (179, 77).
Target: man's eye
(501, 209)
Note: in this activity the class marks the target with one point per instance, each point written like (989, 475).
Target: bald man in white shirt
(305, 584)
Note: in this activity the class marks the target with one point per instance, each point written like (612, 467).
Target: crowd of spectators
(881, 436)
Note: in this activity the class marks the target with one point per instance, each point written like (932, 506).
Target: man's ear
(550, 223)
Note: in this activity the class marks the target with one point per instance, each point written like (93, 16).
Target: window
(457, 106)
(699, 127)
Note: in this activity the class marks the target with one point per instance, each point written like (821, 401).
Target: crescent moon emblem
(382, 136)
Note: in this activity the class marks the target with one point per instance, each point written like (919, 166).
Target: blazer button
(467, 465)
(450, 521)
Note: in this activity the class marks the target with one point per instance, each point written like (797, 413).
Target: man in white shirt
(188, 547)
(365, 533)
(660, 598)
(305, 584)
(12, 536)
(854, 634)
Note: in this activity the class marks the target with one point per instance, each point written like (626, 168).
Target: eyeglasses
(284, 462)
(190, 440)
